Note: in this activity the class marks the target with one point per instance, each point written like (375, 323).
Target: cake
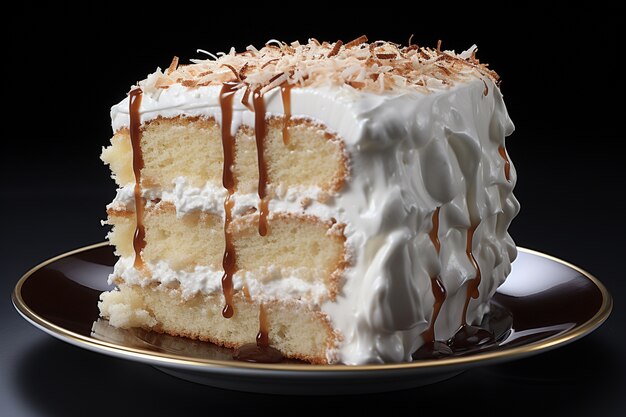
(329, 202)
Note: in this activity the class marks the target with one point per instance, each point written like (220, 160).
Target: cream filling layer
(270, 283)
(187, 199)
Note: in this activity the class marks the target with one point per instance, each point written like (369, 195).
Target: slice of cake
(337, 202)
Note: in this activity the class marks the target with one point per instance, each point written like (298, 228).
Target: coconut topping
(375, 67)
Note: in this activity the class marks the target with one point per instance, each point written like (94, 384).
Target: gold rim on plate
(171, 359)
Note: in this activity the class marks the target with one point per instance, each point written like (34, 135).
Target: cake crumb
(124, 311)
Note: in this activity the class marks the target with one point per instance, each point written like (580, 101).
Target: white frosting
(409, 153)
(210, 198)
(270, 283)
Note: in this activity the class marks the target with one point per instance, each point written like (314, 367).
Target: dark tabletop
(571, 186)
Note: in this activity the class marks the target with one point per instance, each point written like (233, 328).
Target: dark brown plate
(545, 303)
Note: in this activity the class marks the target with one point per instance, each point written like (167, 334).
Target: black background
(65, 66)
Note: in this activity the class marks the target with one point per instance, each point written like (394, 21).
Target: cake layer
(309, 157)
(313, 248)
(296, 330)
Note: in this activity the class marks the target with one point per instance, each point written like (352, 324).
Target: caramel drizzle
(472, 286)
(260, 133)
(261, 351)
(262, 337)
(507, 163)
(229, 262)
(228, 180)
(139, 239)
(285, 94)
(436, 285)
(434, 232)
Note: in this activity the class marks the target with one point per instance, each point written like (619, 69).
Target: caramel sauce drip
(139, 239)
(228, 143)
(467, 337)
(262, 337)
(507, 163)
(260, 131)
(434, 232)
(472, 285)
(440, 296)
(261, 351)
(439, 292)
(285, 94)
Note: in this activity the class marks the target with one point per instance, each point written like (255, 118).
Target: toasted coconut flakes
(270, 62)
(163, 82)
(189, 83)
(335, 49)
(356, 84)
(469, 53)
(444, 69)
(361, 39)
(242, 72)
(365, 66)
(230, 67)
(275, 77)
(202, 51)
(172, 66)
(381, 83)
(274, 82)
(348, 72)
(399, 80)
(361, 76)
(245, 100)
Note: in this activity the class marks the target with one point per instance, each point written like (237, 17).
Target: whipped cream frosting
(267, 284)
(409, 154)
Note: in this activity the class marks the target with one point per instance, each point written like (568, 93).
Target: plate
(545, 303)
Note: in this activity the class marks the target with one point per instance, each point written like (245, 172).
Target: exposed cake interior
(313, 157)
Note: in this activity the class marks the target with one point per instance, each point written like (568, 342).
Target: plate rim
(168, 359)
